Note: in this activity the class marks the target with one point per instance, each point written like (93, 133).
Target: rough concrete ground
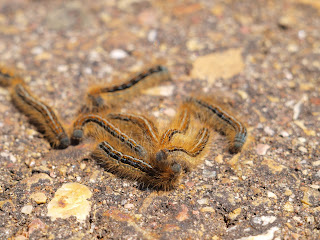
(261, 57)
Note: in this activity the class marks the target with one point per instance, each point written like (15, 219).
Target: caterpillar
(159, 172)
(40, 114)
(83, 120)
(219, 120)
(100, 98)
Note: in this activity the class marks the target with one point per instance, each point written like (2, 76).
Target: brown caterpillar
(220, 120)
(40, 114)
(99, 98)
(85, 119)
(158, 172)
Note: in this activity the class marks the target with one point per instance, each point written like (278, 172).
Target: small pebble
(272, 195)
(36, 224)
(207, 209)
(62, 68)
(203, 201)
(27, 209)
(152, 35)
(129, 206)
(208, 163)
(209, 174)
(288, 207)
(183, 215)
(288, 192)
(302, 34)
(82, 166)
(316, 163)
(264, 220)
(39, 197)
(262, 149)
(303, 149)
(162, 91)
(118, 54)
(302, 140)
(234, 214)
(284, 134)
(268, 131)
(36, 50)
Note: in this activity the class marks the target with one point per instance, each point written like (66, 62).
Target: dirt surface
(260, 57)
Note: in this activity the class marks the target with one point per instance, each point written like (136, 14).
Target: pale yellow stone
(316, 163)
(219, 158)
(307, 131)
(194, 45)
(273, 99)
(273, 166)
(207, 209)
(39, 197)
(288, 207)
(262, 200)
(218, 65)
(82, 166)
(163, 91)
(70, 200)
(234, 214)
(242, 94)
(288, 192)
(27, 209)
(215, 238)
(309, 192)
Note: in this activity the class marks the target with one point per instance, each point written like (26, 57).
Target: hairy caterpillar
(220, 120)
(99, 98)
(40, 114)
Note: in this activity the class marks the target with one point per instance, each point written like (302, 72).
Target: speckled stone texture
(259, 57)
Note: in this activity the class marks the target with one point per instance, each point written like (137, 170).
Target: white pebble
(284, 134)
(152, 35)
(268, 131)
(118, 54)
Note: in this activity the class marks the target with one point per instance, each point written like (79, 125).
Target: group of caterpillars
(130, 145)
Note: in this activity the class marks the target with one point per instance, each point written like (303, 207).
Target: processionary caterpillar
(98, 97)
(41, 115)
(38, 112)
(82, 121)
(158, 172)
(220, 120)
